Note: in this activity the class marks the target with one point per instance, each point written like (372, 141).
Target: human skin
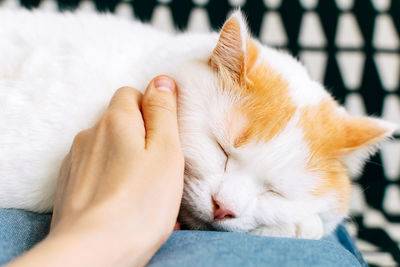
(119, 187)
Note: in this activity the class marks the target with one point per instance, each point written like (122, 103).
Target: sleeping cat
(267, 149)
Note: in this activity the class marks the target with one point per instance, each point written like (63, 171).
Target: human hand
(120, 186)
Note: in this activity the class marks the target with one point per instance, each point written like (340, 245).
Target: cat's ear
(363, 132)
(362, 135)
(234, 51)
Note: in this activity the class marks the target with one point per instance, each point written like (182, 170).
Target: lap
(200, 248)
(20, 230)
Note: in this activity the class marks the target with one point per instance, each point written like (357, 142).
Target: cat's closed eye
(274, 192)
(226, 155)
(269, 189)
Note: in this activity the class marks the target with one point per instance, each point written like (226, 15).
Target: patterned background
(351, 46)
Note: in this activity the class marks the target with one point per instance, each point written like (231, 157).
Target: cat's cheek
(310, 228)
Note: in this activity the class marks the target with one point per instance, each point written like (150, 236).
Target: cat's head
(266, 147)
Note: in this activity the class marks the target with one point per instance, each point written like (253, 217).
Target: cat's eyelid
(271, 189)
(274, 192)
(223, 149)
(226, 154)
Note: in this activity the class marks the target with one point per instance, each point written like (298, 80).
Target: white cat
(267, 149)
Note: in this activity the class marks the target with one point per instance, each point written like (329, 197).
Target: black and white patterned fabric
(351, 46)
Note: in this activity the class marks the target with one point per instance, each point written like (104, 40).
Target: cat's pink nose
(221, 212)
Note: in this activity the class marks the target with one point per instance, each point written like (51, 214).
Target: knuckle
(79, 138)
(124, 96)
(157, 103)
(124, 90)
(112, 119)
(79, 142)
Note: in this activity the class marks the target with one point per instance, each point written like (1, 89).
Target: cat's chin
(196, 224)
(189, 221)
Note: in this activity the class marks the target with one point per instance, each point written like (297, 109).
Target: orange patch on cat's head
(266, 104)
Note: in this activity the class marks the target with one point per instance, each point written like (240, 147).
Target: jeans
(20, 230)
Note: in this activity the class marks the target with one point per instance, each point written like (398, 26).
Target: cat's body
(286, 140)
(58, 73)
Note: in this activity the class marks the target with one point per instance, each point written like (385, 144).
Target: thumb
(159, 112)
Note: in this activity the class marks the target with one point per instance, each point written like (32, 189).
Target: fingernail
(164, 84)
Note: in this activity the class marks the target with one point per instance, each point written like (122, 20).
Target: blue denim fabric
(20, 230)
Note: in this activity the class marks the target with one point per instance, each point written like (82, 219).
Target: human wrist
(88, 245)
(126, 241)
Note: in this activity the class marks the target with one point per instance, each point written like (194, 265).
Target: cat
(267, 150)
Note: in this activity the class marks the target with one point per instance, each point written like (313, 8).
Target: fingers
(123, 116)
(126, 100)
(159, 112)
